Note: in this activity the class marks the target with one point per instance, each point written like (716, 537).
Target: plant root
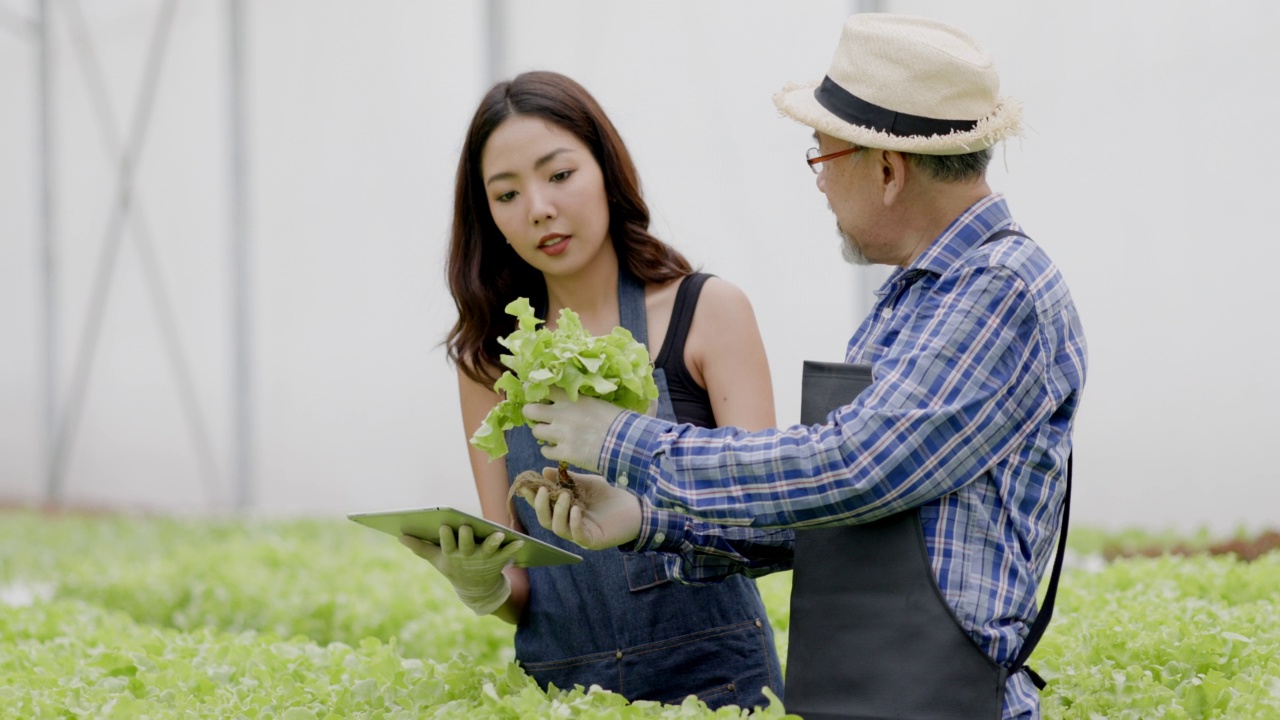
(532, 480)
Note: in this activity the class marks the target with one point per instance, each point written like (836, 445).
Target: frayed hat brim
(798, 102)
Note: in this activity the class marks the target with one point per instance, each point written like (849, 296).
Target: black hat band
(853, 109)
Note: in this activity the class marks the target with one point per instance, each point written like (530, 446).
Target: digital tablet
(425, 523)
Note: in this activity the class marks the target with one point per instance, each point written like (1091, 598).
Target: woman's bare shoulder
(722, 298)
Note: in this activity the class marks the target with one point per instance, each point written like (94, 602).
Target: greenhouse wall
(1145, 172)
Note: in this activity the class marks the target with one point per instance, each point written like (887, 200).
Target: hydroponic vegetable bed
(183, 618)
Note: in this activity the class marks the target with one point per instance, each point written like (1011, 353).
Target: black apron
(871, 635)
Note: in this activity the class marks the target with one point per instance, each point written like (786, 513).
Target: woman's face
(546, 194)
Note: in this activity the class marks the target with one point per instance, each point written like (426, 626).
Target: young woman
(548, 207)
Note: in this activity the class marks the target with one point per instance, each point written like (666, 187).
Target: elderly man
(937, 493)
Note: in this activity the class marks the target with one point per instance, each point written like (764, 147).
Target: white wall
(1143, 175)
(1147, 176)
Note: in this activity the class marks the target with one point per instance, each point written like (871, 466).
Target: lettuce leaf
(612, 367)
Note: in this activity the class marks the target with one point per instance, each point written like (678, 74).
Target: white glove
(607, 517)
(574, 430)
(475, 571)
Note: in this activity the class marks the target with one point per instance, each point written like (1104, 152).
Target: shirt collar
(963, 234)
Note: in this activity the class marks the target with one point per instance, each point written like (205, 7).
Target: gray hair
(952, 168)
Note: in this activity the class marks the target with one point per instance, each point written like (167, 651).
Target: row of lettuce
(165, 617)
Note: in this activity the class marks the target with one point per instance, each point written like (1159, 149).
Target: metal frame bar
(152, 275)
(125, 210)
(495, 30)
(242, 349)
(48, 270)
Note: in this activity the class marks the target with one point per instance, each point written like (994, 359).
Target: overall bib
(871, 635)
(617, 620)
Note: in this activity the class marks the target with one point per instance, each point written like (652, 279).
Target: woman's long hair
(484, 273)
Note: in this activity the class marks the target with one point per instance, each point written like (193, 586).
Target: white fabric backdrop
(1144, 175)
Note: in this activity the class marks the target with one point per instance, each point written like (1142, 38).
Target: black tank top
(691, 402)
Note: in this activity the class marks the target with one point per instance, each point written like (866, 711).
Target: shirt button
(658, 537)
(622, 481)
(618, 654)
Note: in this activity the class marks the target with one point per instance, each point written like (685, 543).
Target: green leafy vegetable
(145, 616)
(612, 367)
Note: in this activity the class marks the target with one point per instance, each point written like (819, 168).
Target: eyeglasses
(815, 160)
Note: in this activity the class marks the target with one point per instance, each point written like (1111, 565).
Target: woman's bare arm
(491, 485)
(725, 353)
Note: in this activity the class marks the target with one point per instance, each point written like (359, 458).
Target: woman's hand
(475, 571)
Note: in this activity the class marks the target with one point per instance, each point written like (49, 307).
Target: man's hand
(574, 430)
(474, 570)
(607, 517)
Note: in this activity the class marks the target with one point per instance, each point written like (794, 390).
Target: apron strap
(1000, 234)
(1046, 611)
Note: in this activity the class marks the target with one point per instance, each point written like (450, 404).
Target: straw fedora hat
(909, 84)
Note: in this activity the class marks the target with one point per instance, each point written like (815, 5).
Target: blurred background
(223, 227)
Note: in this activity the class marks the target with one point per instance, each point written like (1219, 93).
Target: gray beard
(848, 250)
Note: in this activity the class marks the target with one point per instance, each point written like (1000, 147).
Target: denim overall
(617, 620)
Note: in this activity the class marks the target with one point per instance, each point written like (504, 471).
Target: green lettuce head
(611, 367)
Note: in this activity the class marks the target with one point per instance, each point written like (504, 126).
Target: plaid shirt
(978, 360)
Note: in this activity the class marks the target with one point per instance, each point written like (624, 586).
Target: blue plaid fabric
(979, 361)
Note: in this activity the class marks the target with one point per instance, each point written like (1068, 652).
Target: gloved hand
(574, 430)
(475, 571)
(608, 516)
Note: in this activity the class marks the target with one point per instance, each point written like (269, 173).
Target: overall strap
(631, 311)
(1046, 611)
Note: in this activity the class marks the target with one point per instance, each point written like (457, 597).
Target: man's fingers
(584, 479)
(542, 506)
(533, 411)
(560, 518)
(530, 495)
(543, 430)
(575, 526)
(551, 450)
(539, 412)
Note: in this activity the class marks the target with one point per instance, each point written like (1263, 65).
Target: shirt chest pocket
(879, 347)
(894, 314)
(644, 570)
(891, 328)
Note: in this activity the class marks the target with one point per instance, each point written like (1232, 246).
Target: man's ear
(893, 174)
